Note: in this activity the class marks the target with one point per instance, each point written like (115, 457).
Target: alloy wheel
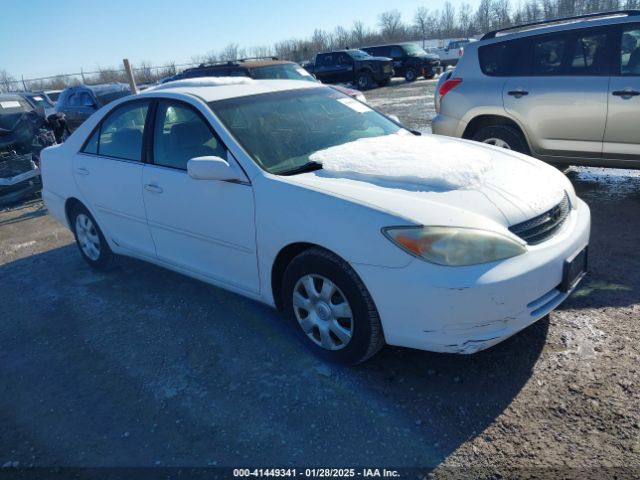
(498, 142)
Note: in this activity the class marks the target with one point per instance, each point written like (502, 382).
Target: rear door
(561, 98)
(622, 135)
(108, 173)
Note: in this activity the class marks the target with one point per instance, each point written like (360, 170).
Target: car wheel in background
(90, 240)
(363, 81)
(502, 136)
(410, 75)
(332, 307)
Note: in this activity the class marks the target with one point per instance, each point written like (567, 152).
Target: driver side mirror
(213, 168)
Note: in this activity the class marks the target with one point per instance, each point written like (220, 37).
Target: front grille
(540, 228)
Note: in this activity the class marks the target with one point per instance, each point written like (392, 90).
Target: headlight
(455, 246)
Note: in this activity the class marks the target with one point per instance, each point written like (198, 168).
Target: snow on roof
(219, 88)
(407, 160)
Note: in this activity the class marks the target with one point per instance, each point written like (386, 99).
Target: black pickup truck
(409, 60)
(351, 66)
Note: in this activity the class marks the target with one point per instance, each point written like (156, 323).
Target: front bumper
(468, 309)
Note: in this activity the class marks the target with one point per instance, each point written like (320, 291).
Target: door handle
(628, 92)
(518, 93)
(153, 188)
(82, 171)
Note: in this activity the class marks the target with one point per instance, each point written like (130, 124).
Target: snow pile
(408, 160)
(205, 82)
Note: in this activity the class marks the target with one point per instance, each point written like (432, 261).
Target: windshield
(286, 71)
(11, 111)
(39, 101)
(358, 54)
(281, 130)
(413, 50)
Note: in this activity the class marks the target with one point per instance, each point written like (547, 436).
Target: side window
(121, 132)
(181, 134)
(327, 60)
(590, 55)
(344, 59)
(501, 59)
(548, 56)
(92, 144)
(630, 52)
(397, 52)
(73, 100)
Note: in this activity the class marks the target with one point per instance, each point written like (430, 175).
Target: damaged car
(23, 134)
(303, 198)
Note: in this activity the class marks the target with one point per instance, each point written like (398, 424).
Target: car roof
(211, 89)
(102, 88)
(560, 25)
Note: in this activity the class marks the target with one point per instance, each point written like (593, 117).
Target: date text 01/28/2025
(315, 472)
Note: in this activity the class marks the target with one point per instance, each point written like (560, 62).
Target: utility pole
(132, 80)
(24, 85)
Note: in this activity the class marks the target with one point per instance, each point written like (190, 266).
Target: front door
(622, 136)
(203, 226)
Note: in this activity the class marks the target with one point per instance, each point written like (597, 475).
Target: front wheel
(503, 136)
(410, 75)
(363, 81)
(90, 240)
(332, 307)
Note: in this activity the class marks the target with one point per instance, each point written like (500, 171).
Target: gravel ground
(144, 367)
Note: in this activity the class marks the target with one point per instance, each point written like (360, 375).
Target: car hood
(509, 189)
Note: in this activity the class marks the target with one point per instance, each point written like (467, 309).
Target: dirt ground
(144, 367)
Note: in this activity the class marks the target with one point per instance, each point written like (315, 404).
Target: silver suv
(566, 92)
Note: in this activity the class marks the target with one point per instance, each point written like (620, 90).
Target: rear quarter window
(501, 59)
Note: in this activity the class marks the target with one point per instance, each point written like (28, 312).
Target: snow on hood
(408, 161)
(406, 174)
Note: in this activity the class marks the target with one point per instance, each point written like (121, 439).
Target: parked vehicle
(565, 93)
(409, 60)
(45, 108)
(257, 68)
(23, 134)
(352, 66)
(300, 197)
(79, 103)
(53, 95)
(453, 52)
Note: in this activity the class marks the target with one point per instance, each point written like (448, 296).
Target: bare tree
(483, 16)
(7, 82)
(421, 23)
(465, 19)
(448, 19)
(390, 23)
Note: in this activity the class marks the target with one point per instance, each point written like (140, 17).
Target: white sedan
(303, 198)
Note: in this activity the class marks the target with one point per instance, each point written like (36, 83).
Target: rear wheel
(90, 240)
(503, 136)
(332, 307)
(410, 75)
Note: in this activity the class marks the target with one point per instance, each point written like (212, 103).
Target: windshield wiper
(307, 167)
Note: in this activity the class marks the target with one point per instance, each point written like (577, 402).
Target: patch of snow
(407, 160)
(205, 82)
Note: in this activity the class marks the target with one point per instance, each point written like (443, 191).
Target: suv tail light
(449, 85)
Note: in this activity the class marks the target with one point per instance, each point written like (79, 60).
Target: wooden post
(132, 80)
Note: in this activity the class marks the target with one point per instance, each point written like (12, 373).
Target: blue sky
(45, 38)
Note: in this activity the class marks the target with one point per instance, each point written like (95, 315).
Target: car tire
(503, 136)
(411, 75)
(89, 238)
(328, 287)
(363, 81)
